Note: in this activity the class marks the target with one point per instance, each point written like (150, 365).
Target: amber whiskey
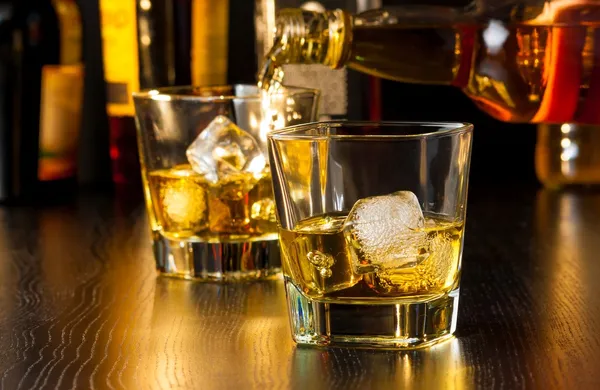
(322, 257)
(186, 206)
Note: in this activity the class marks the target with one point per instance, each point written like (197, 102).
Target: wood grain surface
(81, 307)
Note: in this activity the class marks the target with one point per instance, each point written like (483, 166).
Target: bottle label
(60, 120)
(331, 82)
(209, 42)
(120, 53)
(62, 99)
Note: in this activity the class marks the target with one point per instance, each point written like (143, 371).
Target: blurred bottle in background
(41, 96)
(93, 164)
(152, 44)
(568, 155)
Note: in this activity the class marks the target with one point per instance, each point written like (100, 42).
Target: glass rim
(443, 129)
(179, 93)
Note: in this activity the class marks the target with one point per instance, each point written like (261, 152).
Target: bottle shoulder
(49, 30)
(34, 19)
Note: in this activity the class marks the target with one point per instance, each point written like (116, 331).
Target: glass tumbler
(207, 180)
(371, 219)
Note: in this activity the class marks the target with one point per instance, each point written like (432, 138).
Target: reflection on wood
(81, 307)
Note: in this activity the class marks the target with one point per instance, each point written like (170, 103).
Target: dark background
(502, 153)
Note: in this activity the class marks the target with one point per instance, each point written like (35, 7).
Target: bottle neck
(307, 37)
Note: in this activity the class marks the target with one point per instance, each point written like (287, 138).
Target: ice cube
(223, 153)
(434, 274)
(384, 233)
(179, 199)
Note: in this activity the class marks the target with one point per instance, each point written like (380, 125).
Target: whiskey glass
(206, 177)
(371, 219)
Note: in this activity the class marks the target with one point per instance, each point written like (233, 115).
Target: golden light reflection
(258, 331)
(145, 5)
(568, 154)
(253, 122)
(569, 144)
(442, 366)
(163, 98)
(201, 331)
(566, 242)
(105, 313)
(168, 127)
(272, 116)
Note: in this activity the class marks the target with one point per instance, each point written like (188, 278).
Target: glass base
(395, 325)
(218, 262)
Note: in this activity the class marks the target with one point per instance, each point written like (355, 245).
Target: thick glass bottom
(400, 324)
(220, 262)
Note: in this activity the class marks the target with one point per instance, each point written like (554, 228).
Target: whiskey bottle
(519, 61)
(41, 85)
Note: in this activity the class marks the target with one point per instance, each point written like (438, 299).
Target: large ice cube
(434, 274)
(179, 199)
(385, 232)
(223, 152)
